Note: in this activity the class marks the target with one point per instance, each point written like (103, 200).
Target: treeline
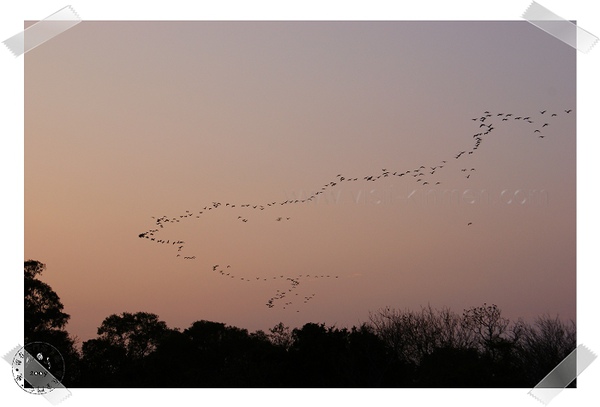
(396, 348)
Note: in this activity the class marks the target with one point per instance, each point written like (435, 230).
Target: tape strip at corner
(560, 28)
(42, 31)
(563, 374)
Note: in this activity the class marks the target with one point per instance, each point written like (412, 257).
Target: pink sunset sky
(127, 122)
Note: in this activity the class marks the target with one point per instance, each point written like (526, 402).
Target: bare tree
(489, 327)
(413, 335)
(545, 344)
(280, 335)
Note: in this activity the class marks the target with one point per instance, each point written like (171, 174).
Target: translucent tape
(42, 31)
(563, 374)
(560, 28)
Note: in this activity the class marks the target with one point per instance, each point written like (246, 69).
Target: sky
(130, 122)
(12, 247)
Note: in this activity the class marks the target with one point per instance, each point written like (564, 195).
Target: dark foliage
(428, 348)
(45, 320)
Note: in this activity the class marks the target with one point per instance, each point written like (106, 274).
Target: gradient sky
(125, 121)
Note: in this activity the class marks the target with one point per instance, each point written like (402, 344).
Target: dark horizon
(394, 349)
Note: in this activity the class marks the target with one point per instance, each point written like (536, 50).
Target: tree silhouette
(426, 348)
(478, 349)
(45, 320)
(280, 335)
(138, 334)
(116, 357)
(43, 308)
(413, 335)
(488, 326)
(226, 356)
(544, 345)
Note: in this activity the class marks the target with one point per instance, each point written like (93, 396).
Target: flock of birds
(423, 175)
(280, 294)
